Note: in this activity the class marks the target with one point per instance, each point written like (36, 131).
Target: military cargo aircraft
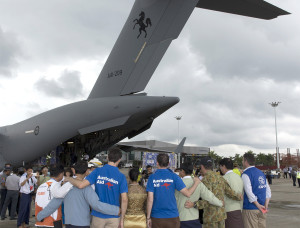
(115, 108)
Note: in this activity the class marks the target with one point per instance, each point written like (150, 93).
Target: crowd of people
(192, 196)
(293, 173)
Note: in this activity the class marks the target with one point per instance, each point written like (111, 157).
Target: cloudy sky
(226, 69)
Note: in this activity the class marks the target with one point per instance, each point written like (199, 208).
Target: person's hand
(121, 225)
(267, 205)
(149, 223)
(67, 179)
(188, 204)
(196, 180)
(241, 197)
(29, 176)
(37, 175)
(261, 208)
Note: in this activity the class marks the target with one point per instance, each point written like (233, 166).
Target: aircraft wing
(251, 8)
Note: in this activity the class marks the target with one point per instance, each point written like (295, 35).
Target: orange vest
(43, 197)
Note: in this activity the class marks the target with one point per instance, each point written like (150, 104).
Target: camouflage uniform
(214, 217)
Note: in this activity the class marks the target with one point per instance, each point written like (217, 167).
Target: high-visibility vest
(43, 197)
(298, 174)
(237, 171)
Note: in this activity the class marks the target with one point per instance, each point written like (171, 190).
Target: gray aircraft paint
(127, 70)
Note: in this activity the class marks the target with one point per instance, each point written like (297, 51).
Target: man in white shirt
(27, 182)
(257, 194)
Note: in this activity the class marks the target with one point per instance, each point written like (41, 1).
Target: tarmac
(284, 208)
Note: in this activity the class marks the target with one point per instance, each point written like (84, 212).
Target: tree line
(260, 159)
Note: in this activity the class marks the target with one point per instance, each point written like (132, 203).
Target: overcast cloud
(224, 68)
(68, 85)
(9, 51)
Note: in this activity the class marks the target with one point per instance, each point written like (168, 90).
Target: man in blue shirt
(109, 183)
(161, 203)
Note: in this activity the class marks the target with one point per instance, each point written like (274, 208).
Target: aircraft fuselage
(35, 137)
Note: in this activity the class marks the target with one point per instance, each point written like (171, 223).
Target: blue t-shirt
(109, 184)
(163, 184)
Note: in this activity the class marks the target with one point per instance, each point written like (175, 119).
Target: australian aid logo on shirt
(162, 183)
(109, 182)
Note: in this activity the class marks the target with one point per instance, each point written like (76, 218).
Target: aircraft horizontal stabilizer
(250, 8)
(104, 125)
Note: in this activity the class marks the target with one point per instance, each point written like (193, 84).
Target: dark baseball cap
(7, 168)
(206, 161)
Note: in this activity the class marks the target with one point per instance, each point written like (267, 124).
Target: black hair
(56, 171)
(81, 167)
(227, 162)
(15, 170)
(114, 154)
(28, 167)
(249, 157)
(134, 174)
(188, 168)
(43, 167)
(163, 160)
(68, 169)
(148, 166)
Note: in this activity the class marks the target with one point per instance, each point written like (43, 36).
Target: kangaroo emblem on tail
(141, 23)
(166, 185)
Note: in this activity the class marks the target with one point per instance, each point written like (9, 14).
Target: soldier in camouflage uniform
(213, 217)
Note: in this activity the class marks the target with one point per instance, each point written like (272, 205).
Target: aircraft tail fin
(251, 8)
(144, 39)
(179, 148)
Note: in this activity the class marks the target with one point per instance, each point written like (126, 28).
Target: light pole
(274, 105)
(178, 118)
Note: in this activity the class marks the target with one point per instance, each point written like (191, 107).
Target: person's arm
(268, 196)
(230, 193)
(93, 200)
(149, 208)
(49, 209)
(124, 204)
(58, 191)
(190, 191)
(23, 181)
(209, 196)
(78, 183)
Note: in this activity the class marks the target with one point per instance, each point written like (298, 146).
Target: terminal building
(135, 153)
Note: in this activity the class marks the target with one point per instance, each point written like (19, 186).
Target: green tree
(264, 159)
(215, 157)
(238, 159)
